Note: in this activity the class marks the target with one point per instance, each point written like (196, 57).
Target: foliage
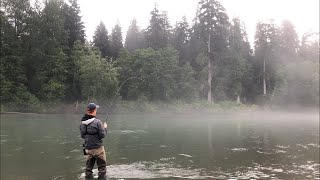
(298, 81)
(180, 40)
(97, 77)
(101, 40)
(46, 60)
(73, 23)
(116, 41)
(214, 31)
(158, 34)
(267, 48)
(134, 38)
(163, 78)
(240, 55)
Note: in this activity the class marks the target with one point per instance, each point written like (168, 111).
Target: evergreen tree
(116, 41)
(181, 38)
(17, 14)
(101, 40)
(158, 34)
(196, 47)
(289, 42)
(15, 28)
(134, 37)
(73, 23)
(73, 89)
(213, 24)
(11, 68)
(309, 49)
(75, 28)
(240, 54)
(33, 46)
(51, 71)
(266, 53)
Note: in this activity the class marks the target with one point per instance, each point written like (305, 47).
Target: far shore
(17, 113)
(174, 110)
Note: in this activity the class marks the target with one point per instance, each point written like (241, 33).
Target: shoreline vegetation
(127, 107)
(49, 66)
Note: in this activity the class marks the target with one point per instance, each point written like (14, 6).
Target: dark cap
(92, 106)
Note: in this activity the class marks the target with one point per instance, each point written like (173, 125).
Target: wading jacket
(92, 131)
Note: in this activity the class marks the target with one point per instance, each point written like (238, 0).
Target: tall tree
(101, 40)
(73, 23)
(75, 28)
(134, 38)
(214, 24)
(196, 46)
(309, 48)
(52, 72)
(12, 74)
(181, 38)
(116, 41)
(51, 69)
(266, 52)
(16, 43)
(158, 34)
(240, 52)
(33, 46)
(17, 14)
(289, 42)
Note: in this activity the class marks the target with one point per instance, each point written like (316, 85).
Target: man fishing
(93, 131)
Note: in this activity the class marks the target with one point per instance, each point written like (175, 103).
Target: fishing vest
(86, 132)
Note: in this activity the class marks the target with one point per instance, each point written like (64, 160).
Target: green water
(164, 146)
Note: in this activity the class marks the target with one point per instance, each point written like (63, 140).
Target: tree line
(45, 58)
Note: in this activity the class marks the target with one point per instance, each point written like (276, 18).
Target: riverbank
(124, 107)
(131, 107)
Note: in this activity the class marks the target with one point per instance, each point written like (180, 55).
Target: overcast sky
(304, 14)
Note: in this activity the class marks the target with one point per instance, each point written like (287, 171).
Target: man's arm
(102, 129)
(81, 131)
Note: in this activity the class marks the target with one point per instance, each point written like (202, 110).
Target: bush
(24, 102)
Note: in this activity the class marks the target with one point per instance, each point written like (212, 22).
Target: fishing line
(114, 97)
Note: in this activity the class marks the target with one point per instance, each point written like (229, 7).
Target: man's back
(92, 131)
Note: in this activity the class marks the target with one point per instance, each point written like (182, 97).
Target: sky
(304, 14)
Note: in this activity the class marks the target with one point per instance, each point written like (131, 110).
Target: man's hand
(105, 125)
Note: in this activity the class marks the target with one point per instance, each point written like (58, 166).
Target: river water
(165, 146)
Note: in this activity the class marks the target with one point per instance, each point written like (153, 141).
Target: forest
(46, 59)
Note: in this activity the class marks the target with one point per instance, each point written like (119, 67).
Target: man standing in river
(93, 131)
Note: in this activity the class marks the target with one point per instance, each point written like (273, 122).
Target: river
(237, 145)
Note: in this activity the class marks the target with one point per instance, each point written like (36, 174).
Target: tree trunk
(77, 106)
(210, 99)
(238, 99)
(264, 78)
(209, 81)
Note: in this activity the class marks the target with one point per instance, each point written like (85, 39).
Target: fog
(164, 145)
(208, 89)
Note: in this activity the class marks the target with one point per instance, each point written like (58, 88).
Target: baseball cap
(92, 106)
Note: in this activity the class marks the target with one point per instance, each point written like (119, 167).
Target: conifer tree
(158, 34)
(101, 40)
(134, 38)
(213, 24)
(116, 41)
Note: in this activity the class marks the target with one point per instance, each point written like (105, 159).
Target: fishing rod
(114, 97)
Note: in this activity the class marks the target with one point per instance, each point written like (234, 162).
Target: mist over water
(237, 145)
